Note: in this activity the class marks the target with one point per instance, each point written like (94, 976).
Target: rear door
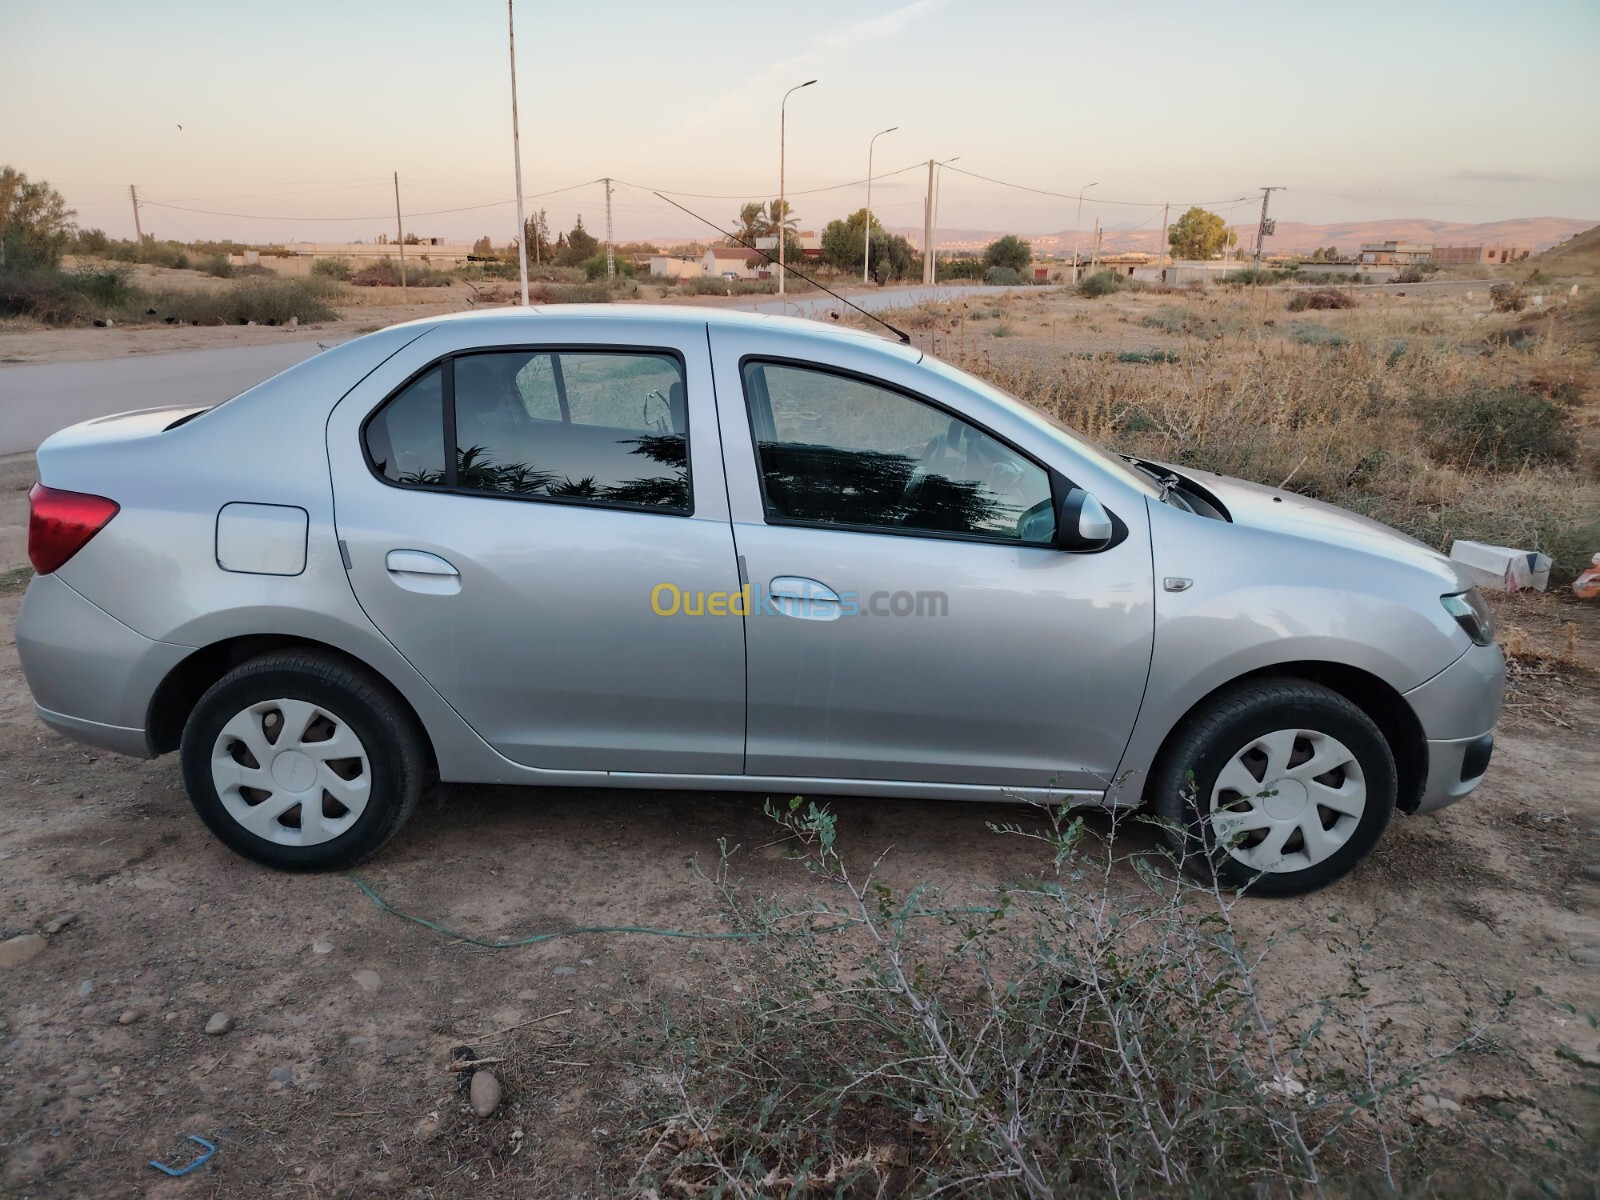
(508, 514)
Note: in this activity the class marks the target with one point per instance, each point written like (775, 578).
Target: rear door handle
(419, 571)
(797, 596)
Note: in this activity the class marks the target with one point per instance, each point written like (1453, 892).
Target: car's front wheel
(298, 760)
(1281, 786)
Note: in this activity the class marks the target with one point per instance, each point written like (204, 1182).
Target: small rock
(1589, 956)
(128, 1017)
(427, 1129)
(86, 989)
(1591, 872)
(322, 947)
(171, 1016)
(57, 924)
(484, 1094)
(368, 981)
(566, 970)
(281, 1074)
(20, 949)
(83, 1090)
(219, 1024)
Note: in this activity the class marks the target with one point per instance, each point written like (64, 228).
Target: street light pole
(866, 258)
(783, 204)
(1077, 221)
(934, 241)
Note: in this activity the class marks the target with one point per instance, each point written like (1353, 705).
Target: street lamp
(1077, 221)
(866, 259)
(783, 206)
(933, 242)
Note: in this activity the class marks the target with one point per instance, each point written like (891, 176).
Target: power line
(1022, 187)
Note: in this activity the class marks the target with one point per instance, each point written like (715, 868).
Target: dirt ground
(334, 1077)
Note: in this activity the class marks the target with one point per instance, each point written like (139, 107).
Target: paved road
(36, 400)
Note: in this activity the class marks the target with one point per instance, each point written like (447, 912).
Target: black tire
(389, 735)
(1186, 774)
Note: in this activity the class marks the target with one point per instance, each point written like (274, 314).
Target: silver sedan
(683, 548)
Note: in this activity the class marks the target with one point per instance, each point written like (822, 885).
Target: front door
(918, 624)
(508, 515)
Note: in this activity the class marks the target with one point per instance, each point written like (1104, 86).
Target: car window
(836, 450)
(602, 427)
(405, 440)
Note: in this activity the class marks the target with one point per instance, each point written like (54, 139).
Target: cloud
(828, 46)
(1500, 177)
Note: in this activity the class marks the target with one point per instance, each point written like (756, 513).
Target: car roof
(679, 314)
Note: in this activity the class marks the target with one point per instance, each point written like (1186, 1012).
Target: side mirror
(1082, 523)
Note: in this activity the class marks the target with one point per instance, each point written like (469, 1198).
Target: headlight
(1472, 614)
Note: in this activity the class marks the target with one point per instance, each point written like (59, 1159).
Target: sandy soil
(334, 1078)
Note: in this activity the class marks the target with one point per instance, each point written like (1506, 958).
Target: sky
(291, 118)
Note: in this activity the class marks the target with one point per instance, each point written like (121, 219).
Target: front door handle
(419, 571)
(797, 596)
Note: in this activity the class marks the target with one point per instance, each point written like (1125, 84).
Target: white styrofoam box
(1501, 567)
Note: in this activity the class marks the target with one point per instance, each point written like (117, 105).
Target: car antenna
(905, 338)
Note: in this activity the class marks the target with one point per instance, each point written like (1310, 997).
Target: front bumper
(1458, 708)
(91, 676)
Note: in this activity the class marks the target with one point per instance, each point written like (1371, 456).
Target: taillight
(61, 523)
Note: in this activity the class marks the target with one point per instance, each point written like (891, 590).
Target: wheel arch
(174, 699)
(1386, 707)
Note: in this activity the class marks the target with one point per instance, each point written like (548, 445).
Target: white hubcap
(291, 772)
(1288, 800)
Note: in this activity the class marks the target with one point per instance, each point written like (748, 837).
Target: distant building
(810, 244)
(1457, 256)
(676, 266)
(737, 262)
(1395, 252)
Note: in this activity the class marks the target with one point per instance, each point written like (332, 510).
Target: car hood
(1256, 506)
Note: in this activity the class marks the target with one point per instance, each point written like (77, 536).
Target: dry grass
(1411, 410)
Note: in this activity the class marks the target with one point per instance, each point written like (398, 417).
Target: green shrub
(1308, 334)
(336, 267)
(1147, 356)
(1495, 428)
(268, 300)
(595, 268)
(1252, 276)
(386, 273)
(996, 276)
(56, 297)
(1101, 283)
(1407, 275)
(218, 265)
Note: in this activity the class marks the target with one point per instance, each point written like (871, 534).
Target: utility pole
(516, 151)
(611, 261)
(1077, 222)
(927, 229)
(138, 232)
(400, 230)
(1094, 249)
(1166, 210)
(1266, 226)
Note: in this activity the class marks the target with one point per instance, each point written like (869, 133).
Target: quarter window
(405, 440)
(835, 450)
(606, 427)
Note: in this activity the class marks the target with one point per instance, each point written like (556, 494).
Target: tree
(536, 232)
(483, 247)
(580, 245)
(843, 243)
(35, 222)
(1009, 251)
(1197, 234)
(751, 222)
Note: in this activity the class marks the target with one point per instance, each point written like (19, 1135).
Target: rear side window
(836, 450)
(594, 427)
(405, 440)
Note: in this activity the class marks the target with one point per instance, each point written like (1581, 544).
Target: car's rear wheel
(300, 761)
(1280, 786)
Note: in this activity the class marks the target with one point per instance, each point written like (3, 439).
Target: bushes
(1507, 297)
(337, 267)
(1407, 275)
(1495, 428)
(1320, 298)
(386, 273)
(264, 300)
(1101, 283)
(1001, 276)
(218, 265)
(56, 297)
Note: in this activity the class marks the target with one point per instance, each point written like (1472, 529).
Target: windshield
(1049, 425)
